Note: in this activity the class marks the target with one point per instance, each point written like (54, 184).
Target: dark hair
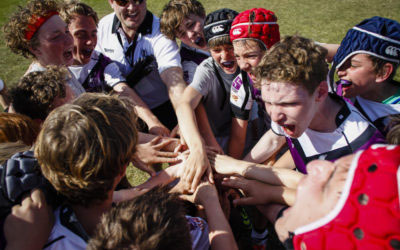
(36, 92)
(153, 221)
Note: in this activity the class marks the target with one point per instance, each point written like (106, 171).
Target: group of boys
(203, 85)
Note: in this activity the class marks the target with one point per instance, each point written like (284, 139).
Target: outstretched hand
(195, 167)
(250, 188)
(151, 153)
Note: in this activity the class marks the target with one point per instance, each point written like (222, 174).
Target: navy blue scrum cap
(376, 36)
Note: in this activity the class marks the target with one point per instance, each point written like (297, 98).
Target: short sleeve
(112, 75)
(203, 78)
(165, 51)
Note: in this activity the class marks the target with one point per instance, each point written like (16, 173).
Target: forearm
(163, 177)
(173, 79)
(221, 236)
(141, 107)
(274, 176)
(204, 126)
(188, 126)
(265, 147)
(238, 138)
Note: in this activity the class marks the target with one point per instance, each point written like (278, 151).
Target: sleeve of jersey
(277, 129)
(189, 68)
(239, 105)
(202, 79)
(166, 53)
(112, 75)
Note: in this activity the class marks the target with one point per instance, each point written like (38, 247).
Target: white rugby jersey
(353, 132)
(113, 43)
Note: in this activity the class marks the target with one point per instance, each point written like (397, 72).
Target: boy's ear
(322, 91)
(384, 73)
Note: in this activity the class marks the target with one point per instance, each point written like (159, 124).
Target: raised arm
(197, 162)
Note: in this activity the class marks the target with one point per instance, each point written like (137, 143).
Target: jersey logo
(234, 97)
(108, 50)
(237, 31)
(217, 29)
(392, 51)
(237, 83)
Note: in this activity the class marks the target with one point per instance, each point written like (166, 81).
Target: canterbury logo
(217, 29)
(237, 32)
(392, 51)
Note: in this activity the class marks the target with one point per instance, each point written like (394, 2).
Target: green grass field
(323, 21)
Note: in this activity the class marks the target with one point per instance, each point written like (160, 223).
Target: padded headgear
(367, 215)
(218, 23)
(258, 24)
(376, 36)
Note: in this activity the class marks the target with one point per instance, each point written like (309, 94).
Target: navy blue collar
(145, 28)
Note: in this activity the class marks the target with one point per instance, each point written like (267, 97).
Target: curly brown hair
(294, 59)
(153, 221)
(175, 11)
(84, 146)
(70, 9)
(36, 92)
(16, 27)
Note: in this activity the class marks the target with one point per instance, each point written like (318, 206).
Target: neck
(129, 33)
(381, 92)
(325, 118)
(89, 217)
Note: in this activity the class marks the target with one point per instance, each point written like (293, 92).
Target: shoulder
(106, 21)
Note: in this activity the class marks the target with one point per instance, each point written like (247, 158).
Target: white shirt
(150, 41)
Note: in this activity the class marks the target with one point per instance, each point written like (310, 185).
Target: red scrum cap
(367, 215)
(258, 24)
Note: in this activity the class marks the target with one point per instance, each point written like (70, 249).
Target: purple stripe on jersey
(376, 138)
(298, 161)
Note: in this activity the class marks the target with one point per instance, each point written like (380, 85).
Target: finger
(196, 179)
(233, 182)
(174, 131)
(167, 154)
(245, 201)
(155, 140)
(164, 143)
(178, 148)
(167, 160)
(37, 196)
(210, 175)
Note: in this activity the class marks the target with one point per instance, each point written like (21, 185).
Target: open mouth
(289, 129)
(133, 15)
(228, 65)
(344, 83)
(201, 42)
(86, 52)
